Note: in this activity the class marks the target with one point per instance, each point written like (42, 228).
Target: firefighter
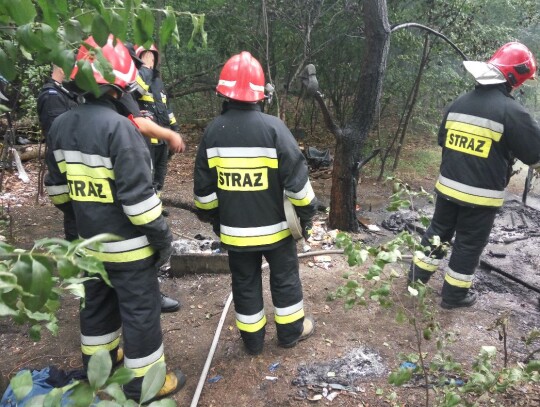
(100, 168)
(246, 162)
(481, 134)
(152, 100)
(53, 100)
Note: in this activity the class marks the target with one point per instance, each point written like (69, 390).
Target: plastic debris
(332, 396)
(408, 365)
(316, 397)
(215, 379)
(271, 378)
(273, 367)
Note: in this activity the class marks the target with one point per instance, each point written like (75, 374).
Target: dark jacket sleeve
(205, 186)
(132, 168)
(294, 173)
(522, 133)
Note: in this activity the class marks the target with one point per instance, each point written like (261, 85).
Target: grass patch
(419, 163)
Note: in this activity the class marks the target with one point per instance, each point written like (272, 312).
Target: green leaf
(8, 69)
(22, 384)
(100, 30)
(144, 26)
(82, 394)
(73, 30)
(76, 289)
(99, 368)
(533, 366)
(36, 401)
(152, 382)
(168, 26)
(66, 268)
(400, 377)
(35, 332)
(115, 391)
(107, 403)
(6, 311)
(53, 398)
(21, 11)
(40, 286)
(85, 77)
(22, 269)
(121, 376)
(50, 15)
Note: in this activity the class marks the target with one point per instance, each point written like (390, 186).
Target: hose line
(215, 341)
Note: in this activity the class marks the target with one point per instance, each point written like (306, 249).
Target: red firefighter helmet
(516, 62)
(124, 69)
(139, 50)
(242, 78)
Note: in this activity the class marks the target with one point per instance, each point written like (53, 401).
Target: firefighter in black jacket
(246, 162)
(481, 134)
(100, 168)
(53, 100)
(152, 99)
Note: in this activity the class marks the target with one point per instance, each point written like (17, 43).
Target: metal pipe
(215, 341)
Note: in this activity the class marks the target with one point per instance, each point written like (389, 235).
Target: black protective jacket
(152, 98)
(52, 101)
(481, 134)
(100, 168)
(245, 163)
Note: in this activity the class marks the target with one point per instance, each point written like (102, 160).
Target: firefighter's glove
(307, 228)
(164, 255)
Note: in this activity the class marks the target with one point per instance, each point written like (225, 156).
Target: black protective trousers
(160, 157)
(285, 287)
(133, 303)
(471, 227)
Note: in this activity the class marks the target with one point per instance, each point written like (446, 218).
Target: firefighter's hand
(163, 256)
(307, 228)
(176, 143)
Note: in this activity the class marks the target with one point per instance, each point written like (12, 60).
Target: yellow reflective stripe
(257, 326)
(255, 240)
(146, 217)
(469, 198)
(62, 166)
(302, 198)
(142, 83)
(141, 371)
(147, 98)
(206, 206)
(91, 349)
(476, 121)
(472, 129)
(94, 172)
(242, 162)
(60, 199)
(426, 263)
(289, 319)
(123, 257)
(154, 140)
(457, 283)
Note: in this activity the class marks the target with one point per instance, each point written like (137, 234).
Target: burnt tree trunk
(350, 141)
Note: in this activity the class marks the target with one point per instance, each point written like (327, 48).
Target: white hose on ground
(210, 356)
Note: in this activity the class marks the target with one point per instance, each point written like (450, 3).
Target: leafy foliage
(32, 282)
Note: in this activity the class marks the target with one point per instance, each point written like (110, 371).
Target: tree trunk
(347, 155)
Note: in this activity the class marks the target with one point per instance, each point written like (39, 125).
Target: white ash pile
(198, 244)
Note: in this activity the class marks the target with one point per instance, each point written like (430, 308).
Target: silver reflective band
(142, 362)
(428, 260)
(100, 340)
(241, 152)
(256, 88)
(477, 121)
(306, 191)
(57, 189)
(142, 207)
(207, 198)
(228, 84)
(250, 319)
(459, 276)
(249, 232)
(488, 193)
(124, 245)
(289, 310)
(91, 160)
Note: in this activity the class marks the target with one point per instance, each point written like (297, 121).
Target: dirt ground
(355, 349)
